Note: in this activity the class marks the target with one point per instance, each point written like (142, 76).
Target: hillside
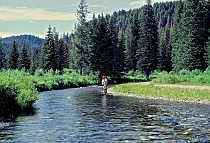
(30, 41)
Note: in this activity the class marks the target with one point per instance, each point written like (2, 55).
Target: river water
(85, 115)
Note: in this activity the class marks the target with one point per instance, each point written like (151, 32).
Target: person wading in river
(104, 83)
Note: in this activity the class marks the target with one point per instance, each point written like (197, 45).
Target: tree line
(53, 54)
(135, 40)
(166, 36)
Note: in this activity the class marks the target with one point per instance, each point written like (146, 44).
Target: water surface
(85, 115)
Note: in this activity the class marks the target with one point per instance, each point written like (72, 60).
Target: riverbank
(168, 87)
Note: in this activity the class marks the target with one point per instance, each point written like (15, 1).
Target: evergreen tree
(24, 59)
(35, 54)
(177, 51)
(191, 47)
(148, 42)
(112, 45)
(63, 54)
(81, 34)
(93, 45)
(132, 33)
(100, 51)
(164, 50)
(57, 48)
(48, 52)
(208, 52)
(13, 56)
(1, 54)
(119, 57)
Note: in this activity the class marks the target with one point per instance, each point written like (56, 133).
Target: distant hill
(30, 42)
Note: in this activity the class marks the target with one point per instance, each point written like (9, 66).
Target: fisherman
(104, 83)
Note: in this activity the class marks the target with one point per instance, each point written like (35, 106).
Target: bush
(19, 85)
(134, 76)
(183, 76)
(69, 78)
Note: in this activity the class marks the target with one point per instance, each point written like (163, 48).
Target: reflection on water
(84, 115)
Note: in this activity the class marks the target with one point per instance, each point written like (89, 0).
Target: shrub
(134, 76)
(19, 85)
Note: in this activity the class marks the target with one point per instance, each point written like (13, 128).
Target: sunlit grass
(165, 92)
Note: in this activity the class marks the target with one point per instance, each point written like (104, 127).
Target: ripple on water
(84, 115)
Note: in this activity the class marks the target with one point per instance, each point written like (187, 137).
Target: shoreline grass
(171, 93)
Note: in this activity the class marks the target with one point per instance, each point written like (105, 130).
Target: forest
(168, 36)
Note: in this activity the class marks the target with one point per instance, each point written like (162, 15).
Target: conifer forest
(167, 36)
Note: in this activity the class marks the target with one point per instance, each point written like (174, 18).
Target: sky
(18, 17)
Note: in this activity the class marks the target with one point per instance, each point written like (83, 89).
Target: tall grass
(183, 76)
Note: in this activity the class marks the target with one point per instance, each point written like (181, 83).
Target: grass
(165, 92)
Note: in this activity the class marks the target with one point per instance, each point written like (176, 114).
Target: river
(85, 115)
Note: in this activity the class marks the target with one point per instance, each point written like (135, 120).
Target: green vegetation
(165, 92)
(134, 76)
(17, 86)
(183, 76)
(51, 80)
(195, 77)
(18, 89)
(114, 45)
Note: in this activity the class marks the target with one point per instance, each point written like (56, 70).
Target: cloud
(29, 14)
(98, 6)
(142, 2)
(5, 34)
(136, 3)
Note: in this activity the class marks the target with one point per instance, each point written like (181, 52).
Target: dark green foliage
(132, 36)
(13, 56)
(30, 41)
(24, 59)
(119, 58)
(48, 53)
(189, 36)
(63, 54)
(134, 76)
(81, 34)
(164, 50)
(1, 54)
(148, 42)
(34, 60)
(8, 102)
(102, 52)
(208, 52)
(163, 10)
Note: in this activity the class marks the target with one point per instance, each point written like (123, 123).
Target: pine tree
(35, 54)
(112, 44)
(119, 56)
(148, 42)
(81, 34)
(191, 47)
(48, 52)
(132, 33)
(208, 52)
(57, 48)
(164, 50)
(63, 54)
(177, 51)
(13, 56)
(24, 59)
(101, 54)
(1, 54)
